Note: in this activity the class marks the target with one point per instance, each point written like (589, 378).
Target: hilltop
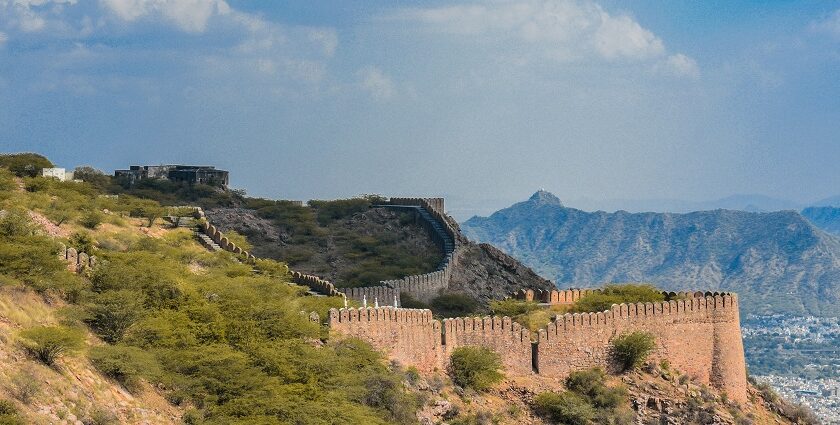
(777, 262)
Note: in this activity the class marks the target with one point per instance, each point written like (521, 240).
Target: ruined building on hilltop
(200, 174)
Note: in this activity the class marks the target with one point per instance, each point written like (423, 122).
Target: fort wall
(699, 336)
(408, 336)
(499, 334)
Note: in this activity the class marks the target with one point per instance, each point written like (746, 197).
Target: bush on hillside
(110, 313)
(9, 414)
(126, 365)
(48, 343)
(631, 350)
(16, 223)
(25, 164)
(617, 294)
(587, 400)
(454, 305)
(512, 307)
(591, 383)
(91, 219)
(475, 367)
(82, 242)
(564, 408)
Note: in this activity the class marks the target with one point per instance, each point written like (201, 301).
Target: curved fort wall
(699, 336)
(423, 287)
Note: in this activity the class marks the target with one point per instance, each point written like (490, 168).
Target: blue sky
(482, 102)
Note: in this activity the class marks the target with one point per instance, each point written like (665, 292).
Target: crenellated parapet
(222, 241)
(572, 295)
(698, 333)
(317, 284)
(75, 259)
(409, 336)
(499, 334)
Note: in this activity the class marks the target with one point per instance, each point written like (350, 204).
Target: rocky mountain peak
(544, 197)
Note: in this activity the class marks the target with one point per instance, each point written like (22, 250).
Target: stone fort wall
(422, 287)
(699, 336)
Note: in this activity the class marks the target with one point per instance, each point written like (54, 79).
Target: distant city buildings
(57, 173)
(193, 174)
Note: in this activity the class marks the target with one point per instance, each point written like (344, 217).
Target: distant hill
(776, 261)
(826, 218)
(742, 202)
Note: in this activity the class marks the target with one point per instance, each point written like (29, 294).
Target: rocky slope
(486, 273)
(826, 218)
(654, 396)
(778, 262)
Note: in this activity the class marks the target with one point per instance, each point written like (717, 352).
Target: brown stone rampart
(408, 336)
(572, 295)
(500, 334)
(317, 284)
(700, 336)
(383, 295)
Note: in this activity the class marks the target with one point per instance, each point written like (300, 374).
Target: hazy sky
(482, 102)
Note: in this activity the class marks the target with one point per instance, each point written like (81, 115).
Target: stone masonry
(699, 336)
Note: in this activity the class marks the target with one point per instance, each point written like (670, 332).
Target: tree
(475, 367)
(48, 343)
(631, 350)
(25, 164)
(112, 312)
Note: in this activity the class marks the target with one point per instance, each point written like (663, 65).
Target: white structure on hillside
(58, 173)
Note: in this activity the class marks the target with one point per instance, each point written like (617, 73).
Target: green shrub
(92, 219)
(82, 242)
(454, 305)
(25, 164)
(512, 307)
(48, 343)
(590, 383)
(631, 350)
(564, 408)
(475, 367)
(112, 312)
(617, 294)
(126, 365)
(16, 223)
(9, 414)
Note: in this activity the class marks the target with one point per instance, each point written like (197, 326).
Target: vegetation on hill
(229, 342)
(344, 240)
(24, 164)
(588, 400)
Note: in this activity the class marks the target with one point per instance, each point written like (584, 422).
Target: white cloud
(188, 15)
(566, 28)
(377, 83)
(3, 38)
(829, 25)
(681, 65)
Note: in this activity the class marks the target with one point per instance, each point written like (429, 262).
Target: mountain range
(777, 261)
